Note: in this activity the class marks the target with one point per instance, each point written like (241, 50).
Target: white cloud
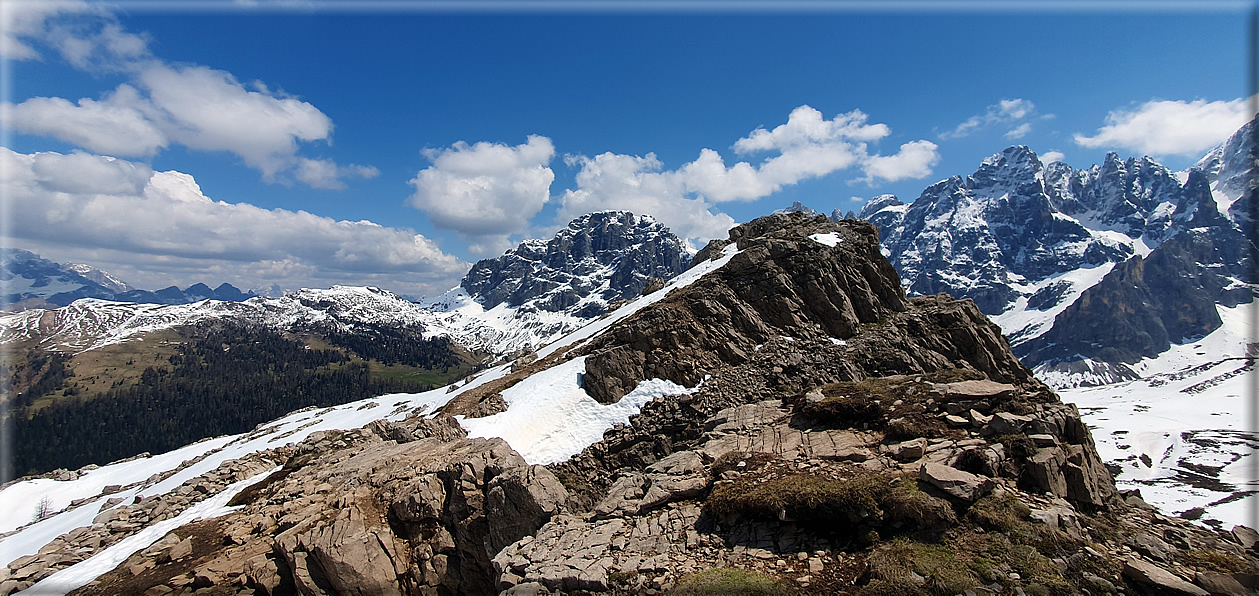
(195, 106)
(80, 173)
(86, 35)
(914, 160)
(1049, 157)
(806, 146)
(208, 109)
(1015, 109)
(22, 21)
(485, 191)
(1019, 131)
(153, 219)
(1166, 127)
(116, 125)
(325, 173)
(97, 43)
(806, 126)
(1006, 111)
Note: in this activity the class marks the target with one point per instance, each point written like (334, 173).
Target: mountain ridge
(30, 281)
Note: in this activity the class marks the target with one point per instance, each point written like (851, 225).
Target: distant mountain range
(1088, 272)
(527, 297)
(29, 281)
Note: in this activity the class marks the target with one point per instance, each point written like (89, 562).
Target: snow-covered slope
(90, 323)
(1182, 433)
(539, 427)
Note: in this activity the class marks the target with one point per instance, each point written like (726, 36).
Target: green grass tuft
(721, 581)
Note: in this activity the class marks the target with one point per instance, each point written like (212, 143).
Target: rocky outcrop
(357, 513)
(783, 284)
(117, 521)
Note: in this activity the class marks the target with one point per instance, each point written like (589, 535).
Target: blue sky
(253, 143)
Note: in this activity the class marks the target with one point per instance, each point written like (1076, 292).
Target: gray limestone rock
(1152, 575)
(954, 482)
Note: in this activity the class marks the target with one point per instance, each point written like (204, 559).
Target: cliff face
(837, 438)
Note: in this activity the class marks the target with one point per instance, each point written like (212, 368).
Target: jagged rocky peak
(878, 204)
(884, 211)
(1016, 168)
(35, 282)
(101, 277)
(1230, 171)
(595, 260)
(1126, 195)
(981, 235)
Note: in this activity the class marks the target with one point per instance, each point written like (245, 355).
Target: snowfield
(1184, 434)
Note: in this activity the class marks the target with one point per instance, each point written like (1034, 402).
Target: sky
(296, 144)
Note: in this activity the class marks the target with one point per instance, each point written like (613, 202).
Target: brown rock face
(785, 284)
(357, 513)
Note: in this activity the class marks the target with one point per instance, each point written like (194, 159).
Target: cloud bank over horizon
(162, 220)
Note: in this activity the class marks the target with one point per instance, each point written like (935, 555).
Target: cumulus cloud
(1005, 112)
(1049, 157)
(164, 104)
(22, 21)
(209, 109)
(806, 126)
(485, 191)
(1167, 127)
(117, 125)
(81, 173)
(612, 181)
(86, 35)
(807, 146)
(105, 204)
(914, 160)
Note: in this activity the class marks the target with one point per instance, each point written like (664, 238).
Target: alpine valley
(811, 405)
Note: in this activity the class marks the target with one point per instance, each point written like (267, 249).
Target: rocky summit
(835, 437)
(597, 259)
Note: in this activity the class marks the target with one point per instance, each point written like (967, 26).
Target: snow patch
(832, 239)
(550, 417)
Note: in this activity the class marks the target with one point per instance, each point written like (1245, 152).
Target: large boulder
(956, 483)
